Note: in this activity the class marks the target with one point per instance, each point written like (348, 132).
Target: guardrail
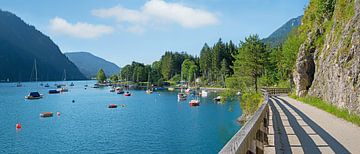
(276, 91)
(252, 137)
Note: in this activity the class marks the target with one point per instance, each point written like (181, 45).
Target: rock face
(331, 70)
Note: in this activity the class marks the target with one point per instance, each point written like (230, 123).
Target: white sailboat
(34, 94)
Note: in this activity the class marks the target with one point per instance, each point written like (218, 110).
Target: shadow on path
(307, 144)
(331, 141)
(281, 140)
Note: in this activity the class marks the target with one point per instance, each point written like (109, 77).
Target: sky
(123, 31)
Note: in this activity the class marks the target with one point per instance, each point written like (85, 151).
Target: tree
(224, 71)
(114, 78)
(251, 59)
(101, 77)
(205, 61)
(217, 57)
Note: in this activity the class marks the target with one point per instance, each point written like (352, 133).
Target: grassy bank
(332, 109)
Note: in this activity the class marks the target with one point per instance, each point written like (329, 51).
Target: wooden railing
(252, 137)
(276, 91)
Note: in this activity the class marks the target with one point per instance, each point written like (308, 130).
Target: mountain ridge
(21, 43)
(278, 37)
(89, 64)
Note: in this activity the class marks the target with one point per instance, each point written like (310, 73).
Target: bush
(250, 102)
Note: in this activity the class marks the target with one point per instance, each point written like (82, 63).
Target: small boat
(54, 91)
(18, 84)
(120, 92)
(171, 89)
(112, 90)
(71, 84)
(217, 99)
(63, 89)
(112, 106)
(149, 91)
(86, 85)
(181, 96)
(34, 95)
(46, 114)
(127, 94)
(204, 93)
(194, 102)
(47, 85)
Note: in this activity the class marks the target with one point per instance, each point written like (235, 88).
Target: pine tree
(101, 77)
(251, 59)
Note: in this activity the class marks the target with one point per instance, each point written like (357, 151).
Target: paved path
(296, 127)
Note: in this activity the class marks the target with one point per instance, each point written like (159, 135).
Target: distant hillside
(280, 35)
(90, 64)
(21, 44)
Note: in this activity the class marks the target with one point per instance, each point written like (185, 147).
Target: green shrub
(250, 102)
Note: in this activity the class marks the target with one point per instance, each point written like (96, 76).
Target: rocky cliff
(328, 63)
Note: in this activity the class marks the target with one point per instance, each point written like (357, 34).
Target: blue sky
(122, 31)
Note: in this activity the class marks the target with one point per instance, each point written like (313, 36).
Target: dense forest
(250, 64)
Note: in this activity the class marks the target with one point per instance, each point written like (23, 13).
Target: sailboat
(149, 90)
(34, 94)
(62, 87)
(196, 101)
(181, 95)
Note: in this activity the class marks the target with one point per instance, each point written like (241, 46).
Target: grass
(332, 109)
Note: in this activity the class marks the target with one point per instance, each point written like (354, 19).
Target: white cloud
(178, 13)
(121, 14)
(156, 12)
(79, 29)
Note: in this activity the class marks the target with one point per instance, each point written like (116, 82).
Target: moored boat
(194, 102)
(149, 91)
(181, 96)
(171, 89)
(63, 89)
(217, 99)
(204, 93)
(46, 114)
(71, 84)
(47, 85)
(127, 94)
(34, 95)
(54, 91)
(18, 84)
(112, 106)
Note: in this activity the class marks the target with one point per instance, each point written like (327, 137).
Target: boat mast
(64, 74)
(148, 85)
(36, 78)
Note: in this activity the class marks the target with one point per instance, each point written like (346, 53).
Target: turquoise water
(155, 123)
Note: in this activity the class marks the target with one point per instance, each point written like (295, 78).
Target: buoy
(73, 101)
(18, 126)
(58, 113)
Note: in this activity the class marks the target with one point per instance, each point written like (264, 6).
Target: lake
(149, 123)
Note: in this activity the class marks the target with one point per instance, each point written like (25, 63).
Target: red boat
(194, 102)
(127, 94)
(112, 106)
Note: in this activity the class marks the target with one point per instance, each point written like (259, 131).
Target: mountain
(21, 44)
(280, 35)
(90, 64)
(328, 62)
